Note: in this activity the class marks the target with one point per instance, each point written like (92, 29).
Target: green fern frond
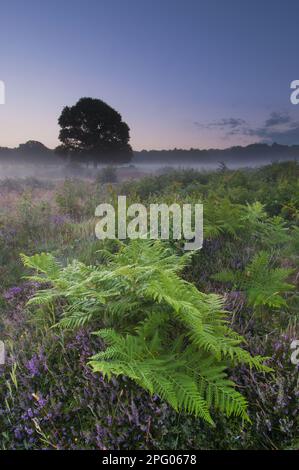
(44, 263)
(158, 329)
(263, 284)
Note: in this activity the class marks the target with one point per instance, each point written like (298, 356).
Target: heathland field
(138, 344)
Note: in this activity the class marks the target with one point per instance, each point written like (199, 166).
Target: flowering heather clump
(61, 404)
(13, 292)
(274, 403)
(17, 296)
(36, 364)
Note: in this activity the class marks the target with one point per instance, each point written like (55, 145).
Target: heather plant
(46, 404)
(274, 403)
(50, 398)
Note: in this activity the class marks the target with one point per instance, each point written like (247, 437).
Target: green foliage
(270, 231)
(263, 284)
(222, 217)
(160, 331)
(147, 323)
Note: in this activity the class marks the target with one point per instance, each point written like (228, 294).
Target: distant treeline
(30, 152)
(36, 152)
(251, 153)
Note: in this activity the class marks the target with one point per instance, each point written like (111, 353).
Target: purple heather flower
(28, 430)
(42, 402)
(18, 433)
(12, 292)
(33, 366)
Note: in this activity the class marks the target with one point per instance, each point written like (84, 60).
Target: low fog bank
(124, 172)
(33, 159)
(74, 170)
(55, 172)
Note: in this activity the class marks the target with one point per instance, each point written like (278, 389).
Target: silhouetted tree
(93, 131)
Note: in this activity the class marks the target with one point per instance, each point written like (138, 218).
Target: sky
(182, 73)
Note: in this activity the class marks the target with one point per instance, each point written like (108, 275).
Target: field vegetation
(136, 344)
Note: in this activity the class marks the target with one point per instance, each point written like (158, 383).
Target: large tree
(93, 131)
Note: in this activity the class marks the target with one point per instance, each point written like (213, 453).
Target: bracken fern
(263, 284)
(160, 331)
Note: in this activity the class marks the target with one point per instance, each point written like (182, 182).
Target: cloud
(278, 127)
(277, 119)
(288, 136)
(225, 123)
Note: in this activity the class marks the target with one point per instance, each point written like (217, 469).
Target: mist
(143, 163)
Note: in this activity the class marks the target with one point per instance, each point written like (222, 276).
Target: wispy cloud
(277, 119)
(278, 127)
(224, 124)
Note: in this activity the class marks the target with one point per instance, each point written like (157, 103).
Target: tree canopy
(92, 130)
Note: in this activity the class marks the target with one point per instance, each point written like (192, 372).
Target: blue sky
(183, 73)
